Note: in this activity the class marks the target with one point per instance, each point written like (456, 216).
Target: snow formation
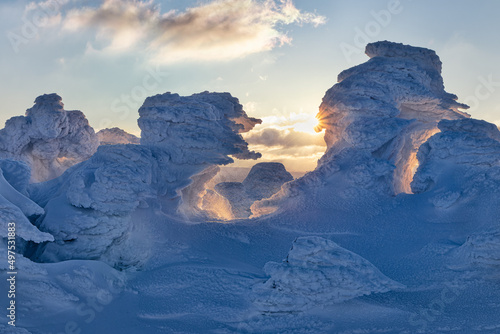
(387, 107)
(49, 138)
(115, 136)
(264, 180)
(152, 207)
(466, 151)
(194, 133)
(96, 199)
(318, 272)
(375, 119)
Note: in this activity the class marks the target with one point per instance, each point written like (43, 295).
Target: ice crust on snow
(115, 136)
(49, 138)
(318, 272)
(263, 181)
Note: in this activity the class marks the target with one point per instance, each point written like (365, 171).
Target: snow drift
(263, 181)
(49, 138)
(317, 272)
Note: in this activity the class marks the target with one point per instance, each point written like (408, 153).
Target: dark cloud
(283, 138)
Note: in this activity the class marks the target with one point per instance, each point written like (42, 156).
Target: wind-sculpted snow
(90, 208)
(388, 106)
(49, 138)
(464, 156)
(115, 136)
(198, 129)
(17, 173)
(263, 180)
(191, 134)
(15, 207)
(375, 119)
(58, 289)
(318, 272)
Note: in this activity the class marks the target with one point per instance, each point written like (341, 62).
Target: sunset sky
(277, 56)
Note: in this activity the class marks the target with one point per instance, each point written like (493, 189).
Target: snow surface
(360, 222)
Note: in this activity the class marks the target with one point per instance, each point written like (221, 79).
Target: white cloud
(217, 30)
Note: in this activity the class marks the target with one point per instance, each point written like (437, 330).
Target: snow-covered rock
(198, 129)
(318, 272)
(49, 138)
(263, 180)
(115, 136)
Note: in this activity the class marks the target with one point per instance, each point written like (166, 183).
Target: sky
(278, 57)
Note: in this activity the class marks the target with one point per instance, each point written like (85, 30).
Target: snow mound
(318, 272)
(49, 138)
(464, 155)
(263, 180)
(115, 136)
(481, 248)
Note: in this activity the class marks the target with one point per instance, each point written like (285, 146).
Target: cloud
(284, 138)
(217, 30)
